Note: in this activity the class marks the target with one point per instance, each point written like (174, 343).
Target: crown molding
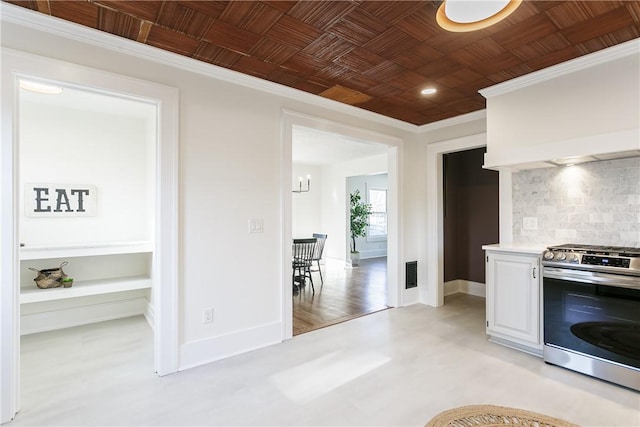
(52, 25)
(453, 121)
(603, 56)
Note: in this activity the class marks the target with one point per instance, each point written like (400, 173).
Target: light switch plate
(256, 225)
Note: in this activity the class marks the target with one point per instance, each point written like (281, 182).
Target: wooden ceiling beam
(143, 34)
(44, 6)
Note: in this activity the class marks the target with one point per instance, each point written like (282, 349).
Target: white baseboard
(465, 287)
(336, 262)
(473, 288)
(451, 287)
(531, 349)
(209, 350)
(82, 315)
(373, 253)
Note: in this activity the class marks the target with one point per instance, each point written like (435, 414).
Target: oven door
(595, 314)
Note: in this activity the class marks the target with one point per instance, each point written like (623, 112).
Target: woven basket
(50, 277)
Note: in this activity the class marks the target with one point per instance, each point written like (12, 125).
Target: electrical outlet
(207, 315)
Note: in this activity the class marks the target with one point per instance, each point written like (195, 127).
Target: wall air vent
(411, 275)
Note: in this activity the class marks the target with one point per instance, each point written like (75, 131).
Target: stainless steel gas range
(591, 300)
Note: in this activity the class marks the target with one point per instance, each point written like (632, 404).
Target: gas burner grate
(597, 249)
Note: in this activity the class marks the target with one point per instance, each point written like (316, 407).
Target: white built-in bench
(111, 280)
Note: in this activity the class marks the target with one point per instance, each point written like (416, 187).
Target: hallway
(347, 293)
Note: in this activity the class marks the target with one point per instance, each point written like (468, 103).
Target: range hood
(570, 161)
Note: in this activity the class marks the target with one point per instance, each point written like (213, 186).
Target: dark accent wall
(470, 214)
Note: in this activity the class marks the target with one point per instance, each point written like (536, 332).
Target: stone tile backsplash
(595, 203)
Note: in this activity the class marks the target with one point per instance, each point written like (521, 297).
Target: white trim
(505, 209)
(149, 315)
(396, 295)
(165, 298)
(9, 257)
(461, 286)
(510, 343)
(355, 132)
(82, 315)
(433, 269)
(603, 56)
(69, 30)
(232, 344)
(85, 288)
(373, 253)
(64, 251)
(286, 218)
(453, 121)
(165, 274)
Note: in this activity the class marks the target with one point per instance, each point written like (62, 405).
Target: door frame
(15, 65)
(395, 272)
(433, 293)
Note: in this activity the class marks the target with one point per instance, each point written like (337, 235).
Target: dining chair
(303, 251)
(317, 256)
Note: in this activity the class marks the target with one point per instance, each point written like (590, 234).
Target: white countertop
(521, 248)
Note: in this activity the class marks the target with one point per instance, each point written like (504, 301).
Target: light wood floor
(396, 367)
(347, 293)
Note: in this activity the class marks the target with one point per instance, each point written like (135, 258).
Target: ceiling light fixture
(40, 87)
(429, 91)
(470, 15)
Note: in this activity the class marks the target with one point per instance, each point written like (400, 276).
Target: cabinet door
(513, 297)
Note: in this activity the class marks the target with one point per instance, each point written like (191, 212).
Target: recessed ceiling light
(428, 91)
(471, 15)
(40, 87)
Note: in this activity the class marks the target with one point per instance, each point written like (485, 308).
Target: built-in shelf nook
(110, 257)
(86, 204)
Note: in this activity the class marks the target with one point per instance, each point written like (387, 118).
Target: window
(378, 218)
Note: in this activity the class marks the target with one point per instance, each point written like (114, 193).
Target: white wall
(310, 215)
(335, 200)
(114, 153)
(590, 110)
(230, 163)
(306, 216)
(367, 247)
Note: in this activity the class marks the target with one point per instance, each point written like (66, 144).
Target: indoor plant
(359, 220)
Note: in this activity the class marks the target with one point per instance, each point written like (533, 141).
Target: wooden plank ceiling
(376, 55)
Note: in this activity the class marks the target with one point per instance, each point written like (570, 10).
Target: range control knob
(573, 257)
(548, 255)
(561, 256)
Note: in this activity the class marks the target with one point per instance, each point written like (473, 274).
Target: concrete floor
(398, 367)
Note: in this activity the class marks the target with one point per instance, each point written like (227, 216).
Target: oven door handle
(593, 277)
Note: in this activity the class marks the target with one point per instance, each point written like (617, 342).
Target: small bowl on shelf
(67, 282)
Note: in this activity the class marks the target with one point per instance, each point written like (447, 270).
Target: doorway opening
(145, 267)
(343, 291)
(87, 179)
(433, 293)
(470, 220)
(346, 152)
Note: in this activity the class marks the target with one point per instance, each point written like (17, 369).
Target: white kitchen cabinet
(513, 298)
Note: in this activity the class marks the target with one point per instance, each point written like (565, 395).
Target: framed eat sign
(60, 200)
